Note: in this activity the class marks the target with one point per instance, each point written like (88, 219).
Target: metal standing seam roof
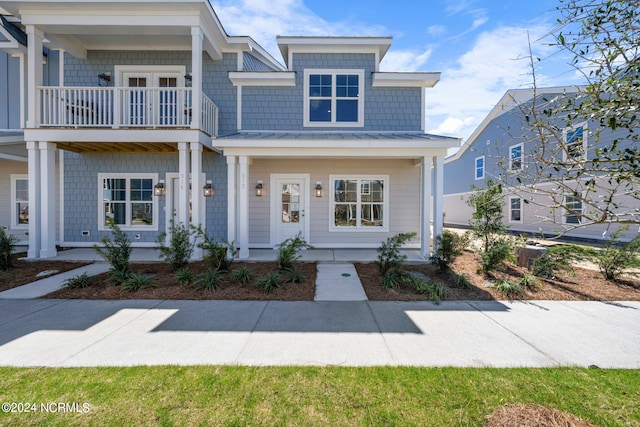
(19, 35)
(403, 136)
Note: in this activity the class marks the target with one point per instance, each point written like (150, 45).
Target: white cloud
(436, 30)
(404, 60)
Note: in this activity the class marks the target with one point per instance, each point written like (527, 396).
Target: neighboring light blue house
(501, 149)
(163, 116)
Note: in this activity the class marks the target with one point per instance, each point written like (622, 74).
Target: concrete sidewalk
(354, 333)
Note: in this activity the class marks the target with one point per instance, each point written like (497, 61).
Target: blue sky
(479, 46)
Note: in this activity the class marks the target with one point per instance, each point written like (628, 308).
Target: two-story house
(160, 115)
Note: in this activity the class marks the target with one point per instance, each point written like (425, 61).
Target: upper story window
(575, 143)
(333, 98)
(479, 167)
(515, 157)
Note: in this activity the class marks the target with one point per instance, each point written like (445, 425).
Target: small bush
(389, 257)
(117, 252)
(615, 258)
(184, 276)
(529, 282)
(118, 277)
(79, 281)
(509, 289)
(181, 245)
(449, 246)
(461, 281)
(217, 255)
(294, 275)
(7, 250)
(558, 259)
(209, 280)
(269, 282)
(242, 275)
(436, 291)
(136, 282)
(396, 278)
(498, 252)
(288, 252)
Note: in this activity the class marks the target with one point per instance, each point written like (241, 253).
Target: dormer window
(334, 98)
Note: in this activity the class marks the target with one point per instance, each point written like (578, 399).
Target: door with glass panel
(151, 99)
(289, 208)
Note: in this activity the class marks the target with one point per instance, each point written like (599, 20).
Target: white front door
(149, 101)
(290, 207)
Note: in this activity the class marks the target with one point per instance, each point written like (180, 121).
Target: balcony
(124, 108)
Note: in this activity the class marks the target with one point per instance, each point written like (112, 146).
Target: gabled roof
(511, 99)
(11, 37)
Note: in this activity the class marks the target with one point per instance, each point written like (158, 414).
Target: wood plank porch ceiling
(122, 147)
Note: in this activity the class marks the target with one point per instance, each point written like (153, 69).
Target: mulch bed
(168, 288)
(25, 272)
(531, 415)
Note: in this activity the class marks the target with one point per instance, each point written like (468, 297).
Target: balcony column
(231, 198)
(197, 192)
(48, 199)
(34, 74)
(438, 197)
(34, 199)
(243, 207)
(196, 77)
(183, 178)
(425, 207)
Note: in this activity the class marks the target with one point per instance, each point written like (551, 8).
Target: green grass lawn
(295, 396)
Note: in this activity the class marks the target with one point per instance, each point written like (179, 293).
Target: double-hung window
(479, 167)
(19, 201)
(334, 98)
(515, 209)
(360, 203)
(573, 209)
(515, 157)
(575, 143)
(127, 200)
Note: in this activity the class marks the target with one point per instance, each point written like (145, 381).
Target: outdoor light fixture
(318, 189)
(158, 189)
(209, 191)
(104, 78)
(188, 78)
(259, 189)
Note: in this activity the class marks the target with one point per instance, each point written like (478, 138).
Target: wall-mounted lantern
(318, 189)
(104, 78)
(259, 189)
(158, 189)
(187, 79)
(209, 191)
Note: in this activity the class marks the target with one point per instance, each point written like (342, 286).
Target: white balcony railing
(123, 107)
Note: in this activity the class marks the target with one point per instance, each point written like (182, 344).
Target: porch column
(48, 199)
(196, 76)
(183, 178)
(243, 207)
(425, 207)
(231, 198)
(34, 199)
(34, 74)
(197, 191)
(438, 197)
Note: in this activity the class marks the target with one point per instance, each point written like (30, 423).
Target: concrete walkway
(338, 282)
(355, 333)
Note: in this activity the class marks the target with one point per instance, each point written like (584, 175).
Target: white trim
(262, 78)
(511, 220)
(306, 190)
(359, 228)
(169, 202)
(239, 108)
(585, 133)
(14, 219)
(334, 98)
(121, 70)
(511, 147)
(61, 200)
(128, 177)
(475, 168)
(408, 79)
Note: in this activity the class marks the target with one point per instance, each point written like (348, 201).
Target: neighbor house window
(334, 98)
(127, 201)
(19, 201)
(359, 203)
(575, 143)
(515, 209)
(515, 157)
(573, 210)
(480, 167)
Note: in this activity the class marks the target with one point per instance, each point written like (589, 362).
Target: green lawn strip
(292, 396)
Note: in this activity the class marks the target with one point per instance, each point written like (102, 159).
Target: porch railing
(123, 107)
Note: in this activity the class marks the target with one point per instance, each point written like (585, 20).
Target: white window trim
(359, 229)
(308, 123)
(585, 133)
(475, 168)
(177, 71)
(128, 176)
(14, 218)
(511, 169)
(511, 220)
(565, 211)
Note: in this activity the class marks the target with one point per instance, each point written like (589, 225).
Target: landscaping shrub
(461, 281)
(288, 252)
(449, 246)
(436, 291)
(269, 282)
(209, 280)
(509, 289)
(389, 257)
(558, 259)
(395, 278)
(7, 250)
(181, 245)
(242, 275)
(79, 281)
(529, 282)
(500, 250)
(217, 255)
(294, 275)
(486, 220)
(136, 282)
(117, 252)
(184, 276)
(615, 258)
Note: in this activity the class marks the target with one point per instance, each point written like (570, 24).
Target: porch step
(338, 282)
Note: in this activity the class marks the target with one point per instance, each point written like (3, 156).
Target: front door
(152, 99)
(290, 207)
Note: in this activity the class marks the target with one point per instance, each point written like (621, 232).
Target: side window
(479, 167)
(334, 98)
(573, 210)
(575, 143)
(515, 157)
(515, 209)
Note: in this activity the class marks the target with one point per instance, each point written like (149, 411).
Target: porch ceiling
(123, 147)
